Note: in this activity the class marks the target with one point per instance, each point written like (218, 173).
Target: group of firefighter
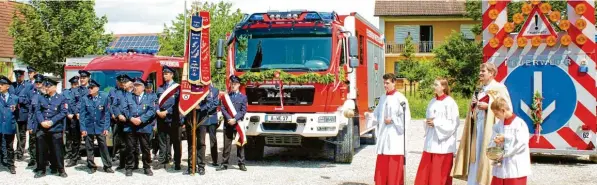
(131, 110)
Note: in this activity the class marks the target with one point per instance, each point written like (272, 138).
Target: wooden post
(194, 143)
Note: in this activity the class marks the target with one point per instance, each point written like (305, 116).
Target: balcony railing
(420, 47)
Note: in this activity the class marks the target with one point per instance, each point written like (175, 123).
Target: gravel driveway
(285, 166)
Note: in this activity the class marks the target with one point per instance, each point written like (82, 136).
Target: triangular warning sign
(537, 25)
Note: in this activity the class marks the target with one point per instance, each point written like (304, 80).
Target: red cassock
(509, 181)
(435, 169)
(389, 170)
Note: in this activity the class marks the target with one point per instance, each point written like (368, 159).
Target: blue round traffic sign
(557, 90)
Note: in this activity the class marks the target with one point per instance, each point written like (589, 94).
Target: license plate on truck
(278, 118)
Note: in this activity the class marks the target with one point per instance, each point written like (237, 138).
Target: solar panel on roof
(149, 42)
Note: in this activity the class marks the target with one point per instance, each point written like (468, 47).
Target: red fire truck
(104, 69)
(309, 77)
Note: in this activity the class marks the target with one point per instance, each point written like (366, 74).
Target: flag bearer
(239, 101)
(169, 123)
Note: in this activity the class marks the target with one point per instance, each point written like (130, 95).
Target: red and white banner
(191, 93)
(241, 138)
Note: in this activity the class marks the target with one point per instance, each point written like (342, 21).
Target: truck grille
(279, 126)
(283, 140)
(297, 95)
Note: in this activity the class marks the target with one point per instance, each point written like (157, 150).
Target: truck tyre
(255, 148)
(356, 136)
(370, 140)
(344, 149)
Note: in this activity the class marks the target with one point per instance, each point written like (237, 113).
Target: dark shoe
(71, 163)
(92, 170)
(108, 170)
(53, 171)
(214, 164)
(148, 172)
(40, 174)
(129, 172)
(177, 167)
(31, 163)
(136, 166)
(13, 170)
(201, 171)
(63, 174)
(221, 168)
(119, 167)
(242, 167)
(20, 158)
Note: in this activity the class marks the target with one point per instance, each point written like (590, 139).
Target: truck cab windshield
(107, 79)
(304, 53)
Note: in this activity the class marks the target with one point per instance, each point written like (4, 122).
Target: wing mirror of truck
(220, 53)
(353, 45)
(353, 62)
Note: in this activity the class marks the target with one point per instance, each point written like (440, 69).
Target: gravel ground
(301, 166)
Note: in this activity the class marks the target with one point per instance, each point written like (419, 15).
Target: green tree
(461, 58)
(47, 32)
(410, 68)
(223, 19)
(473, 11)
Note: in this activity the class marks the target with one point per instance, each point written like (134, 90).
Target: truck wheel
(370, 140)
(254, 148)
(344, 148)
(593, 158)
(356, 136)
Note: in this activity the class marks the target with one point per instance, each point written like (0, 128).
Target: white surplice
(390, 137)
(441, 138)
(517, 159)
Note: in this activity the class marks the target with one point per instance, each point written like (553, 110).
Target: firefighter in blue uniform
(169, 123)
(95, 123)
(50, 112)
(19, 88)
(73, 133)
(240, 105)
(31, 72)
(29, 98)
(208, 112)
(115, 97)
(140, 112)
(118, 107)
(8, 122)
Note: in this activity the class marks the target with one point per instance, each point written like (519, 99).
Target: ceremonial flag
(196, 75)
(241, 138)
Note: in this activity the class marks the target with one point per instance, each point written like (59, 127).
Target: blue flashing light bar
(139, 51)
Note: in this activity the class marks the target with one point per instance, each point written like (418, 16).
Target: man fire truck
(309, 77)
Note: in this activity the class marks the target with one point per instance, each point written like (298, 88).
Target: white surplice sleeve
(446, 126)
(515, 142)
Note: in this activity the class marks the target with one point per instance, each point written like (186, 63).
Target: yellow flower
(555, 16)
(545, 7)
(521, 41)
(565, 40)
(551, 40)
(536, 41)
(581, 24)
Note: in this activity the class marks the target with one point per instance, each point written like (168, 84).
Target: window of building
(466, 30)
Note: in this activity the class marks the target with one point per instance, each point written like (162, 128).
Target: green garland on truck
(290, 78)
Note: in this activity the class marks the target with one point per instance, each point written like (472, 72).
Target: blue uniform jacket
(170, 105)
(95, 117)
(209, 107)
(7, 115)
(240, 105)
(79, 94)
(32, 119)
(52, 108)
(144, 109)
(20, 90)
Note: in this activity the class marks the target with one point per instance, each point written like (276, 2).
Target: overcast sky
(149, 16)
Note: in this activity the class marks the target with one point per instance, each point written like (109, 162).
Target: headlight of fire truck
(326, 119)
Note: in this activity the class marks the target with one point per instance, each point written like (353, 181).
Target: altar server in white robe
(471, 164)
(512, 133)
(390, 115)
(440, 137)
